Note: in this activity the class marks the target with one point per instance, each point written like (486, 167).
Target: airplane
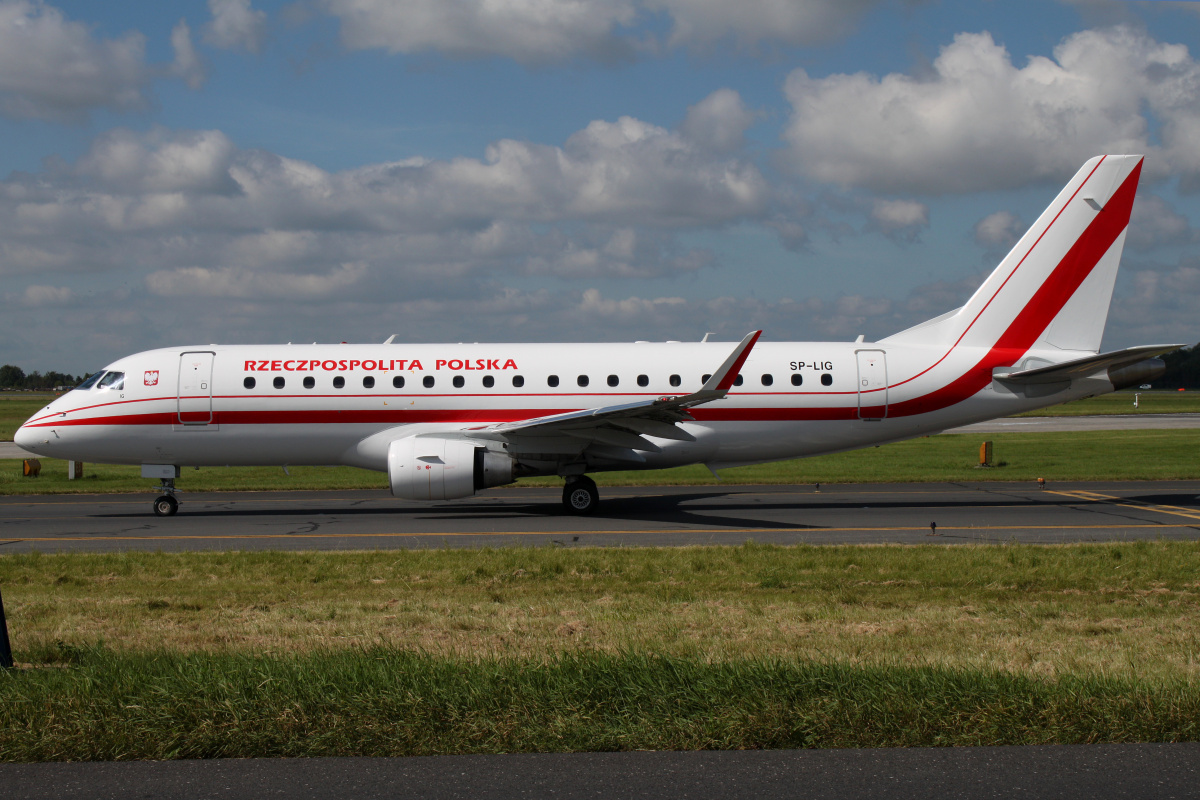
(445, 421)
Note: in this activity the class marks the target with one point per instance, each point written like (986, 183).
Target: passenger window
(249, 383)
(582, 380)
(113, 380)
(552, 381)
(339, 382)
(826, 379)
(278, 382)
(676, 380)
(488, 381)
(398, 382)
(767, 380)
(613, 380)
(369, 382)
(428, 381)
(738, 380)
(518, 381)
(310, 382)
(459, 382)
(797, 379)
(643, 380)
(703, 379)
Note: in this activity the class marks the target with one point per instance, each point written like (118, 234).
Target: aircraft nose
(26, 439)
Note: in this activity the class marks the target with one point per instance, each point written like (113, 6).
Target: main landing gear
(165, 505)
(580, 495)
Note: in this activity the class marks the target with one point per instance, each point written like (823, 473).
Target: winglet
(723, 378)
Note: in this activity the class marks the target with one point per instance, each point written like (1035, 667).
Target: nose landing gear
(165, 505)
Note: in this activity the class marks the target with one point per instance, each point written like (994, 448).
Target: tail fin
(1053, 289)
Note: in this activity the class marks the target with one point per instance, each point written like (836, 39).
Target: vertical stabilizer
(1053, 289)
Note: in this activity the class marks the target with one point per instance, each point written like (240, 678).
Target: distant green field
(16, 407)
(1155, 402)
(1076, 456)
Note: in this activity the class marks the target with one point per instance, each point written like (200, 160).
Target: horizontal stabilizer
(1084, 367)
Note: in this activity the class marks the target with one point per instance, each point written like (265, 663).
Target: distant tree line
(1183, 370)
(15, 378)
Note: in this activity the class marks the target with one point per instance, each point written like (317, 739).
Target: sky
(246, 171)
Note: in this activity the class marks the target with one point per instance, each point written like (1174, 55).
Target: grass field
(241, 654)
(1098, 455)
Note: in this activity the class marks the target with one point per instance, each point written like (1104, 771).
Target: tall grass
(1127, 610)
(388, 702)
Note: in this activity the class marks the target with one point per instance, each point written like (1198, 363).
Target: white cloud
(544, 31)
(187, 65)
(53, 69)
(528, 31)
(125, 163)
(189, 214)
(1000, 229)
(718, 122)
(1154, 305)
(1155, 223)
(194, 282)
(980, 122)
(235, 26)
(42, 296)
(902, 218)
(752, 22)
(621, 173)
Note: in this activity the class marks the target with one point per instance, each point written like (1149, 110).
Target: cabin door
(872, 384)
(195, 388)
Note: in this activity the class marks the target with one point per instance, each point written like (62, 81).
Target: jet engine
(1141, 372)
(432, 468)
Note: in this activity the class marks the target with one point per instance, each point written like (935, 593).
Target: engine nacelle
(432, 468)
(1141, 372)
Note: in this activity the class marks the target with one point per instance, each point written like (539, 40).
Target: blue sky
(591, 170)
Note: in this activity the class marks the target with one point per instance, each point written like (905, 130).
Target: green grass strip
(388, 702)
(1068, 456)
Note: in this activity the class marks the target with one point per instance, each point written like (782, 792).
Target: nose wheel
(165, 505)
(580, 496)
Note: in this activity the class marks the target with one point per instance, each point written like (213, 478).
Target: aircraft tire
(165, 506)
(581, 497)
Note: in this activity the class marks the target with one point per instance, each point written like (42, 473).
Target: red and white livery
(445, 421)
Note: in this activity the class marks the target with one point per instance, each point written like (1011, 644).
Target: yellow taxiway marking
(1179, 511)
(898, 529)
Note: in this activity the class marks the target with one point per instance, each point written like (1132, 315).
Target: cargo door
(872, 384)
(195, 388)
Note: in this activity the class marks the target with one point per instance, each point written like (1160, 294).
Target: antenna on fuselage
(390, 339)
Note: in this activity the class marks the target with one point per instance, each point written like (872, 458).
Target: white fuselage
(344, 404)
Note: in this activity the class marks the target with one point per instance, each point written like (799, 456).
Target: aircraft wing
(624, 426)
(1083, 367)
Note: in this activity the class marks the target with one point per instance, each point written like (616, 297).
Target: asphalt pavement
(1080, 772)
(665, 516)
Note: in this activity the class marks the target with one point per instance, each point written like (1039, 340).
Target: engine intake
(432, 468)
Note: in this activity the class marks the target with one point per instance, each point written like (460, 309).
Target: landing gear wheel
(580, 496)
(165, 506)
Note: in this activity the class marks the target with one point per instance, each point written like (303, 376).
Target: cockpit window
(113, 380)
(90, 382)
